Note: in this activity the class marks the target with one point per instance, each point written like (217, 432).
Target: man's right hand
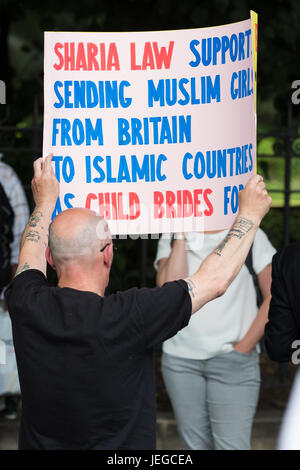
(219, 269)
(254, 201)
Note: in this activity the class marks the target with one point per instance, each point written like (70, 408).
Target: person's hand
(254, 201)
(45, 187)
(241, 348)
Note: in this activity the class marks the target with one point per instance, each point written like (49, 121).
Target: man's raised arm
(45, 188)
(220, 268)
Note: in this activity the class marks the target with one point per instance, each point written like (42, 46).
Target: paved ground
(265, 431)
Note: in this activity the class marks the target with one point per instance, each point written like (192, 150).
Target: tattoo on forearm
(239, 230)
(33, 236)
(35, 218)
(191, 287)
(22, 268)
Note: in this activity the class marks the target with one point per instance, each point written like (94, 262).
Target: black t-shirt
(86, 362)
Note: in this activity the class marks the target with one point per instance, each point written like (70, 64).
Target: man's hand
(219, 269)
(45, 187)
(254, 201)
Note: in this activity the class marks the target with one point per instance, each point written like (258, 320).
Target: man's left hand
(45, 186)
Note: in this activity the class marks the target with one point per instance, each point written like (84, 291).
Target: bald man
(86, 360)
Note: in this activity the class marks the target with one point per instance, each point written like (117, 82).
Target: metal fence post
(283, 368)
(287, 178)
(143, 261)
(36, 141)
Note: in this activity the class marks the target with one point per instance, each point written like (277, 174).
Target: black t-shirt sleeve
(281, 330)
(22, 293)
(164, 310)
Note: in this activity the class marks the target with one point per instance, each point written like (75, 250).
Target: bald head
(76, 236)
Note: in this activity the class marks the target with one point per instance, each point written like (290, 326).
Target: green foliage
(272, 225)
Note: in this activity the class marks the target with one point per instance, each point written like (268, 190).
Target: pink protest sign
(153, 130)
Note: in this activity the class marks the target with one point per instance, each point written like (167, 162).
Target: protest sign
(156, 131)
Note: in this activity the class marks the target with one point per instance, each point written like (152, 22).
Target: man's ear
(49, 258)
(108, 255)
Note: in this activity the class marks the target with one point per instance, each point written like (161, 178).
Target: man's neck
(83, 281)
